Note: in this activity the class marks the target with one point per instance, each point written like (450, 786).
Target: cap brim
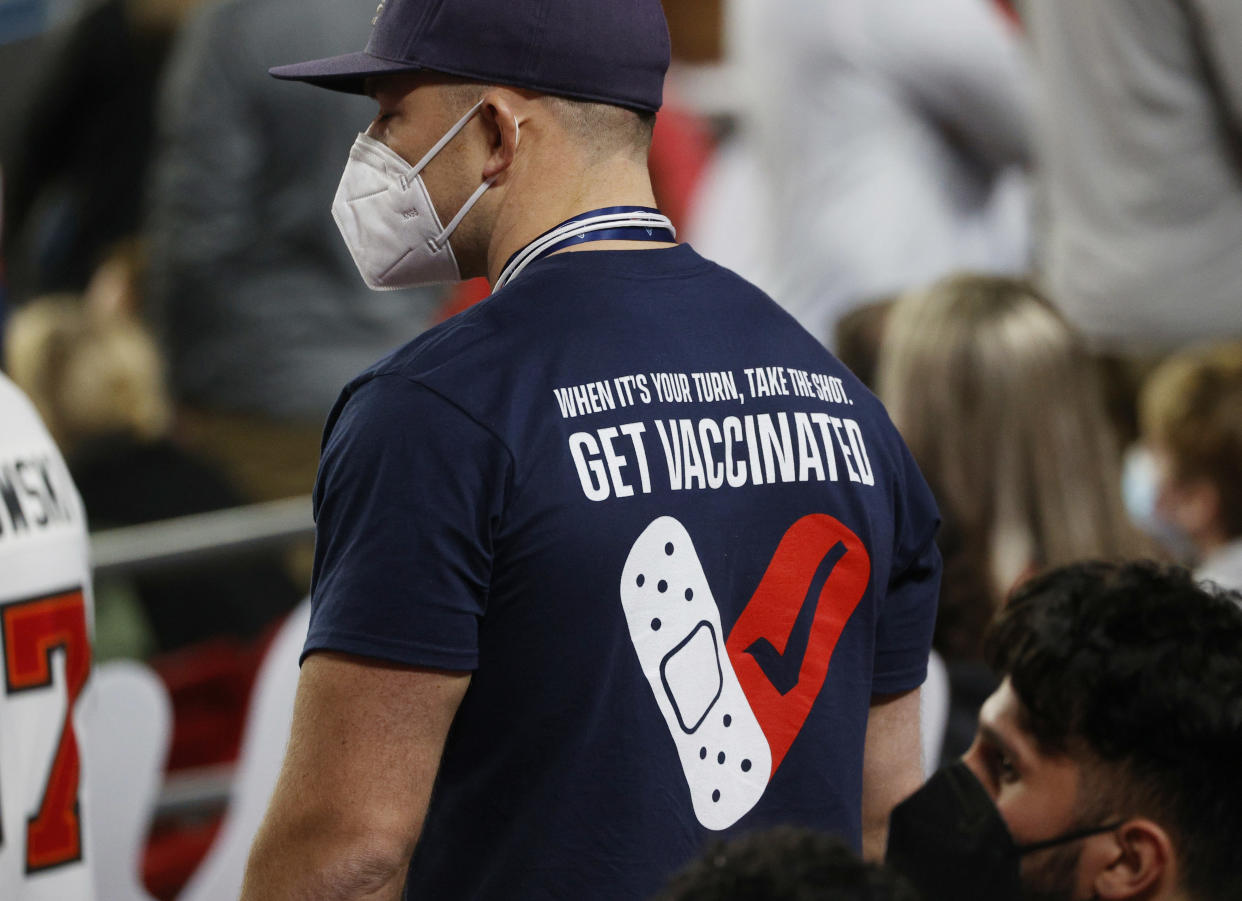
(348, 72)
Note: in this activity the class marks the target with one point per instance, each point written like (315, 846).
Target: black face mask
(949, 839)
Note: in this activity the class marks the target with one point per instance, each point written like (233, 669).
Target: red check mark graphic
(781, 645)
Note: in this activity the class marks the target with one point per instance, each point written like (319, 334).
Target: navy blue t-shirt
(679, 545)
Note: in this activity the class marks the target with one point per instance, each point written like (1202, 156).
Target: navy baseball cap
(609, 51)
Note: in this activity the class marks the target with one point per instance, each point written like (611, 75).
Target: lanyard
(624, 223)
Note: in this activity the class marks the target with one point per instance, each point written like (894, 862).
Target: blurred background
(1018, 223)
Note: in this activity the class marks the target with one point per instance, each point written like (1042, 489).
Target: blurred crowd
(1018, 223)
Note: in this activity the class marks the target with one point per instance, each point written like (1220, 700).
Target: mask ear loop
(440, 239)
(1068, 837)
(448, 136)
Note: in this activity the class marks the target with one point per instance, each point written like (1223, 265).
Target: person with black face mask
(1101, 765)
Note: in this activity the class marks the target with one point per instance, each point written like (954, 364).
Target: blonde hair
(88, 374)
(1000, 404)
(1192, 406)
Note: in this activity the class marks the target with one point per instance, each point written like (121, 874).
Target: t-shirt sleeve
(409, 496)
(964, 67)
(908, 615)
(1220, 29)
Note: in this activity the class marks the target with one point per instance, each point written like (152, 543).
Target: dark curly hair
(1140, 667)
(785, 864)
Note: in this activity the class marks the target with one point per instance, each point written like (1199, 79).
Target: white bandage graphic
(674, 624)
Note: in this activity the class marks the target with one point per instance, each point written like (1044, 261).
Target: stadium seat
(127, 720)
(258, 766)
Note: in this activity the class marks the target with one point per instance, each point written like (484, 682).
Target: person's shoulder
(679, 273)
(18, 413)
(454, 352)
(10, 394)
(454, 343)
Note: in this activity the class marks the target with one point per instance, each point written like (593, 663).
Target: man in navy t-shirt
(616, 561)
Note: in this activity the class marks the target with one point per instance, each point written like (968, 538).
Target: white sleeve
(1220, 30)
(966, 67)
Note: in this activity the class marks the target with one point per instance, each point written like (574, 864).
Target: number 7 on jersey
(30, 631)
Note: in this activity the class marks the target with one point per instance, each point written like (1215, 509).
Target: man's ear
(1140, 857)
(501, 119)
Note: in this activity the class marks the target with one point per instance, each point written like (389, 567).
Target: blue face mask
(949, 839)
(1140, 487)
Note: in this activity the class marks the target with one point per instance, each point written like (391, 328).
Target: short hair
(999, 401)
(1192, 405)
(785, 864)
(1136, 670)
(601, 129)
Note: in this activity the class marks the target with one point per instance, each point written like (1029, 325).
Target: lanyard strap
(626, 223)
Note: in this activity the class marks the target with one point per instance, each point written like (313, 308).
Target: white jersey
(46, 617)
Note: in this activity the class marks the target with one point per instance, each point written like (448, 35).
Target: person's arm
(892, 765)
(963, 65)
(892, 757)
(1220, 29)
(408, 492)
(202, 216)
(363, 753)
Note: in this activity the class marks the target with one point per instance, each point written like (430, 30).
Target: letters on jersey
(33, 499)
(45, 662)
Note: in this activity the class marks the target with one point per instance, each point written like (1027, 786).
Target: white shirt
(1140, 155)
(46, 617)
(891, 132)
(1223, 567)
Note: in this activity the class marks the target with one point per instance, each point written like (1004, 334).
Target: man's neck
(532, 208)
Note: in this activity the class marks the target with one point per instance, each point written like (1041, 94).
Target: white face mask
(388, 221)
